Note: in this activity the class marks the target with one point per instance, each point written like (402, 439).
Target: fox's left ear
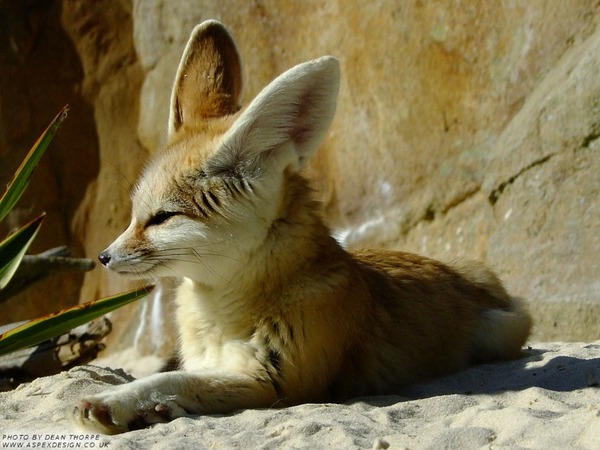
(284, 124)
(209, 78)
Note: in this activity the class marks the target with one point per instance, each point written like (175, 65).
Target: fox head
(212, 198)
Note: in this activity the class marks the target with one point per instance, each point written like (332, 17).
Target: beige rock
(544, 184)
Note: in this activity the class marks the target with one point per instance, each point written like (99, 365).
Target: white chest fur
(213, 335)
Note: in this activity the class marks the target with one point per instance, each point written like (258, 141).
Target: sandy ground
(549, 399)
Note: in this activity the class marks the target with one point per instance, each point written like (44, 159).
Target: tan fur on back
(271, 310)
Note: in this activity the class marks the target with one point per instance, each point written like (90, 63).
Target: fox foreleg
(166, 396)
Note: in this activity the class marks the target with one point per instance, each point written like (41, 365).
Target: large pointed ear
(209, 78)
(284, 124)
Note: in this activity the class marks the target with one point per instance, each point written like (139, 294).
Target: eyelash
(161, 217)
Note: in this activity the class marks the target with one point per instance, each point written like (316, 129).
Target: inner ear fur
(284, 125)
(208, 83)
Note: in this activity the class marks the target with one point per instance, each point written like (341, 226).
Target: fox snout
(104, 258)
(114, 261)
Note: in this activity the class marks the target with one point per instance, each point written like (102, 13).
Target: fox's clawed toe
(96, 417)
(119, 411)
(161, 413)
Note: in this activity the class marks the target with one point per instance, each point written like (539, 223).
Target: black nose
(104, 258)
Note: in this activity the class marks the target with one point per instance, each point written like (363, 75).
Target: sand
(549, 399)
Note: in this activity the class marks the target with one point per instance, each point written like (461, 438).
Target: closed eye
(161, 217)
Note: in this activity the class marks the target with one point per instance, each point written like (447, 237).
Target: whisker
(151, 260)
(210, 269)
(147, 188)
(127, 182)
(189, 252)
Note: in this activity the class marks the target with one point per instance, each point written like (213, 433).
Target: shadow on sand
(539, 367)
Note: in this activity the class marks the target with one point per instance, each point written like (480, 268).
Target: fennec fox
(271, 310)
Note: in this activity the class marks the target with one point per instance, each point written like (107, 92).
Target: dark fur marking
(231, 188)
(275, 362)
(200, 209)
(172, 364)
(214, 199)
(275, 328)
(206, 202)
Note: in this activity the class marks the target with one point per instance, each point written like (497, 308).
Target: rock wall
(464, 129)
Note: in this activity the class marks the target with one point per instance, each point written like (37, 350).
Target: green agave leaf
(55, 324)
(13, 248)
(21, 178)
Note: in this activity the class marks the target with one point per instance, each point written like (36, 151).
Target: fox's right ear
(209, 78)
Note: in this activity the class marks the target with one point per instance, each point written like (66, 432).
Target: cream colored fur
(271, 310)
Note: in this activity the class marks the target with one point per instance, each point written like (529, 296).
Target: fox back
(271, 309)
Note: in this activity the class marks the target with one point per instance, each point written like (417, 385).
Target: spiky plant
(14, 247)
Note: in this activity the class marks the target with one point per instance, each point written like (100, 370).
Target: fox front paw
(113, 412)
